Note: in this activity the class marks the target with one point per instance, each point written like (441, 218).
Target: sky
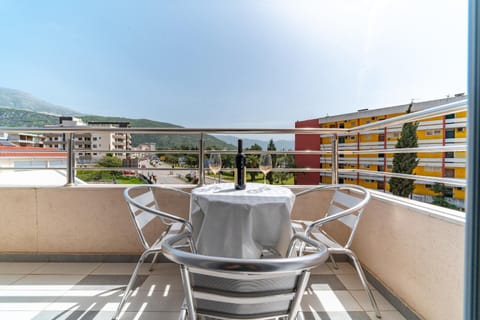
(234, 64)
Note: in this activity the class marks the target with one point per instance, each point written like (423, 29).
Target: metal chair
(145, 209)
(231, 288)
(346, 206)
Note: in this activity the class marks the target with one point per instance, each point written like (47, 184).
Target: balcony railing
(333, 152)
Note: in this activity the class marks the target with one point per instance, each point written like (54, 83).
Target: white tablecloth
(241, 223)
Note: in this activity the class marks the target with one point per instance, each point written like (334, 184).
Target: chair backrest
(229, 288)
(144, 209)
(346, 206)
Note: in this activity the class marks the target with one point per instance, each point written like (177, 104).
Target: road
(163, 176)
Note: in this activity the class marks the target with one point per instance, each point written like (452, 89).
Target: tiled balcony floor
(70, 291)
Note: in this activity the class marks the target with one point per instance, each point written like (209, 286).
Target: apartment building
(444, 130)
(23, 139)
(93, 145)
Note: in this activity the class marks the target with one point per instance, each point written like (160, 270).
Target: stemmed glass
(215, 164)
(265, 165)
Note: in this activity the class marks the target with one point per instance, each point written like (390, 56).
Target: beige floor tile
(98, 315)
(322, 269)
(387, 315)
(114, 268)
(127, 268)
(162, 283)
(25, 303)
(351, 281)
(45, 282)
(20, 315)
(19, 267)
(362, 298)
(155, 301)
(329, 301)
(6, 279)
(66, 268)
(343, 268)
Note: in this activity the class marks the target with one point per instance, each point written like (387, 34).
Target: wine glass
(215, 163)
(265, 165)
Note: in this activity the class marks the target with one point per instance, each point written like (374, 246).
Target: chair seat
(173, 230)
(300, 226)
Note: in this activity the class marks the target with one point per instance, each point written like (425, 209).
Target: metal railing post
(201, 160)
(335, 159)
(70, 159)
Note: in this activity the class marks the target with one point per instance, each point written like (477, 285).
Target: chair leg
(153, 261)
(300, 316)
(363, 279)
(335, 266)
(130, 284)
(183, 312)
(188, 292)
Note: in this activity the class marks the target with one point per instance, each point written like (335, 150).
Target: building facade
(92, 146)
(444, 130)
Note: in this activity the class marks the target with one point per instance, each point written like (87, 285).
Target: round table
(241, 223)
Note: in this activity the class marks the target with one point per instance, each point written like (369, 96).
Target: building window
(460, 129)
(393, 135)
(450, 116)
(432, 169)
(448, 192)
(449, 154)
(449, 173)
(450, 134)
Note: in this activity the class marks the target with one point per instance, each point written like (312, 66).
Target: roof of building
(17, 151)
(29, 177)
(417, 106)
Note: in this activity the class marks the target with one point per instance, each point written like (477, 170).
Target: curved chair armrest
(257, 266)
(305, 240)
(161, 214)
(334, 217)
(314, 188)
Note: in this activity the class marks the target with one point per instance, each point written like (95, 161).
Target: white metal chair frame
(345, 208)
(216, 287)
(144, 209)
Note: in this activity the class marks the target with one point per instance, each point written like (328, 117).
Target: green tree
(110, 161)
(405, 162)
(252, 161)
(271, 147)
(442, 192)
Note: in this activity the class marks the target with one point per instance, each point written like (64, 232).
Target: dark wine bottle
(240, 170)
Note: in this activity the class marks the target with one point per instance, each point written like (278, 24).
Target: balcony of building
(67, 253)
(67, 250)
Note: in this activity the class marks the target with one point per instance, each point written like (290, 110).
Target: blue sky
(251, 63)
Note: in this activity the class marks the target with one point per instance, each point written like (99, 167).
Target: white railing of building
(333, 151)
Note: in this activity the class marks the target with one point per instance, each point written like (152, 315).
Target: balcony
(412, 252)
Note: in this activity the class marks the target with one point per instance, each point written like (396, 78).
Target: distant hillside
(22, 118)
(16, 99)
(162, 141)
(247, 143)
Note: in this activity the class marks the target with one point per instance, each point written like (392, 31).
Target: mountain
(16, 99)
(21, 118)
(164, 140)
(247, 143)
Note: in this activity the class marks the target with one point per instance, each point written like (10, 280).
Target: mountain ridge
(20, 100)
(22, 109)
